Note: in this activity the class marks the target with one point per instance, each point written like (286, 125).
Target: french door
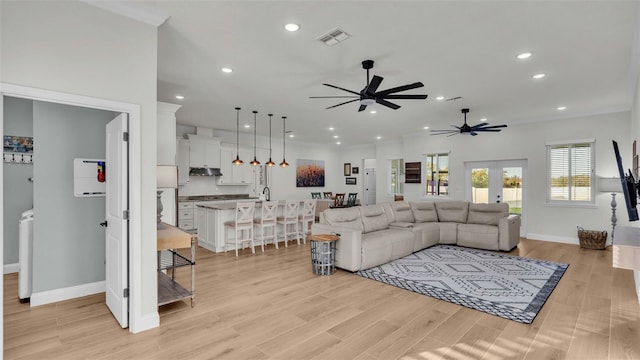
(498, 181)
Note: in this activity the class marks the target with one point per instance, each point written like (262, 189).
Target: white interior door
(117, 230)
(498, 181)
(369, 187)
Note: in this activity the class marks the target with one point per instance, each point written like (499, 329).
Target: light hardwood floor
(270, 306)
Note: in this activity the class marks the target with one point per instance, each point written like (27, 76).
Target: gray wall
(18, 191)
(69, 247)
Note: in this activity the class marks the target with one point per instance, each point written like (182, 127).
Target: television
(629, 186)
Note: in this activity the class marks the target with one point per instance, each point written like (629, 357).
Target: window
(570, 177)
(437, 174)
(396, 171)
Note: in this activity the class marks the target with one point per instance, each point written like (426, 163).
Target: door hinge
(125, 292)
(125, 214)
(125, 136)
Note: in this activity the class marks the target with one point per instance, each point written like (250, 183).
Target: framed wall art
(350, 181)
(309, 173)
(347, 169)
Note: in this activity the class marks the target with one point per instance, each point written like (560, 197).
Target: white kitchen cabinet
(187, 219)
(234, 174)
(182, 160)
(204, 153)
(166, 133)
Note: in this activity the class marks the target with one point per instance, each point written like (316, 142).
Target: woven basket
(590, 239)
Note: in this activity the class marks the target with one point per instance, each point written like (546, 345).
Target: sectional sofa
(376, 234)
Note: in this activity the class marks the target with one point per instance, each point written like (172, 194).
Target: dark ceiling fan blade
(346, 102)
(343, 89)
(387, 104)
(400, 88)
(403, 96)
(373, 85)
(473, 133)
(333, 97)
(488, 130)
(442, 132)
(482, 127)
(362, 107)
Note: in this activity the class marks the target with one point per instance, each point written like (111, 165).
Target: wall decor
(347, 169)
(309, 173)
(355, 170)
(350, 181)
(17, 149)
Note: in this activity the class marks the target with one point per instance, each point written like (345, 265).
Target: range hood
(204, 172)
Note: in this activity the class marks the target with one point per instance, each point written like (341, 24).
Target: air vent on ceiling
(334, 36)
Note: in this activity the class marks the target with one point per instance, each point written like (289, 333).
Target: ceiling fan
(466, 129)
(368, 95)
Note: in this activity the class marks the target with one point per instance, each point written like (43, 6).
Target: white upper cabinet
(204, 153)
(182, 160)
(234, 174)
(166, 133)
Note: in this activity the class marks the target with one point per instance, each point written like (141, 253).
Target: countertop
(214, 197)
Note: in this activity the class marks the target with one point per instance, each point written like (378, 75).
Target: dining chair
(242, 225)
(338, 201)
(289, 221)
(316, 195)
(266, 221)
(327, 194)
(307, 217)
(351, 199)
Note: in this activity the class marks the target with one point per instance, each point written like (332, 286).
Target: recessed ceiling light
(179, 97)
(372, 112)
(226, 70)
(426, 128)
(483, 119)
(335, 136)
(337, 142)
(562, 108)
(292, 27)
(440, 98)
(331, 128)
(524, 55)
(539, 76)
(378, 137)
(291, 135)
(246, 126)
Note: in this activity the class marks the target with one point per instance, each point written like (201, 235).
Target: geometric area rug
(511, 287)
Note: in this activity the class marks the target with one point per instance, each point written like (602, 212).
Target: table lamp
(166, 178)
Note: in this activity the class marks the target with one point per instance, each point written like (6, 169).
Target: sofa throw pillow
(348, 218)
(452, 211)
(424, 211)
(487, 214)
(374, 218)
(402, 212)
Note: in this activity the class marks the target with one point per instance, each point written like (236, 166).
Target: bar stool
(241, 226)
(289, 221)
(307, 217)
(268, 215)
(316, 195)
(327, 194)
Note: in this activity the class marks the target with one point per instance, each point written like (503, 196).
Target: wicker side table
(323, 253)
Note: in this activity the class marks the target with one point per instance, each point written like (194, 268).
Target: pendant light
(284, 131)
(270, 163)
(237, 161)
(255, 161)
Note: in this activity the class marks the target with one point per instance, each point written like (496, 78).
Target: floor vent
(334, 36)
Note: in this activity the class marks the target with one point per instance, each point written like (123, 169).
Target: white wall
(77, 48)
(528, 141)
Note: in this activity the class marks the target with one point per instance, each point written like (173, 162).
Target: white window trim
(571, 203)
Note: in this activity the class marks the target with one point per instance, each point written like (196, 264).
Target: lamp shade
(166, 176)
(610, 185)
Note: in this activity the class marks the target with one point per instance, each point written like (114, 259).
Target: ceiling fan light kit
(466, 129)
(370, 95)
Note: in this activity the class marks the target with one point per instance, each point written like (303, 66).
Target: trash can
(323, 253)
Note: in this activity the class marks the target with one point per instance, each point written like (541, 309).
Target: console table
(170, 240)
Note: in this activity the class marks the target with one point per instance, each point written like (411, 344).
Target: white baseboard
(144, 323)
(51, 296)
(552, 238)
(11, 268)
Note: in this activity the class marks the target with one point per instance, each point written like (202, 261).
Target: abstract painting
(309, 173)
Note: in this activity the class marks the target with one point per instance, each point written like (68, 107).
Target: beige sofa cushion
(487, 214)
(349, 218)
(452, 211)
(424, 211)
(402, 212)
(478, 236)
(374, 218)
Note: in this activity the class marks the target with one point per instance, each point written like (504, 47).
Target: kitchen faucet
(267, 192)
